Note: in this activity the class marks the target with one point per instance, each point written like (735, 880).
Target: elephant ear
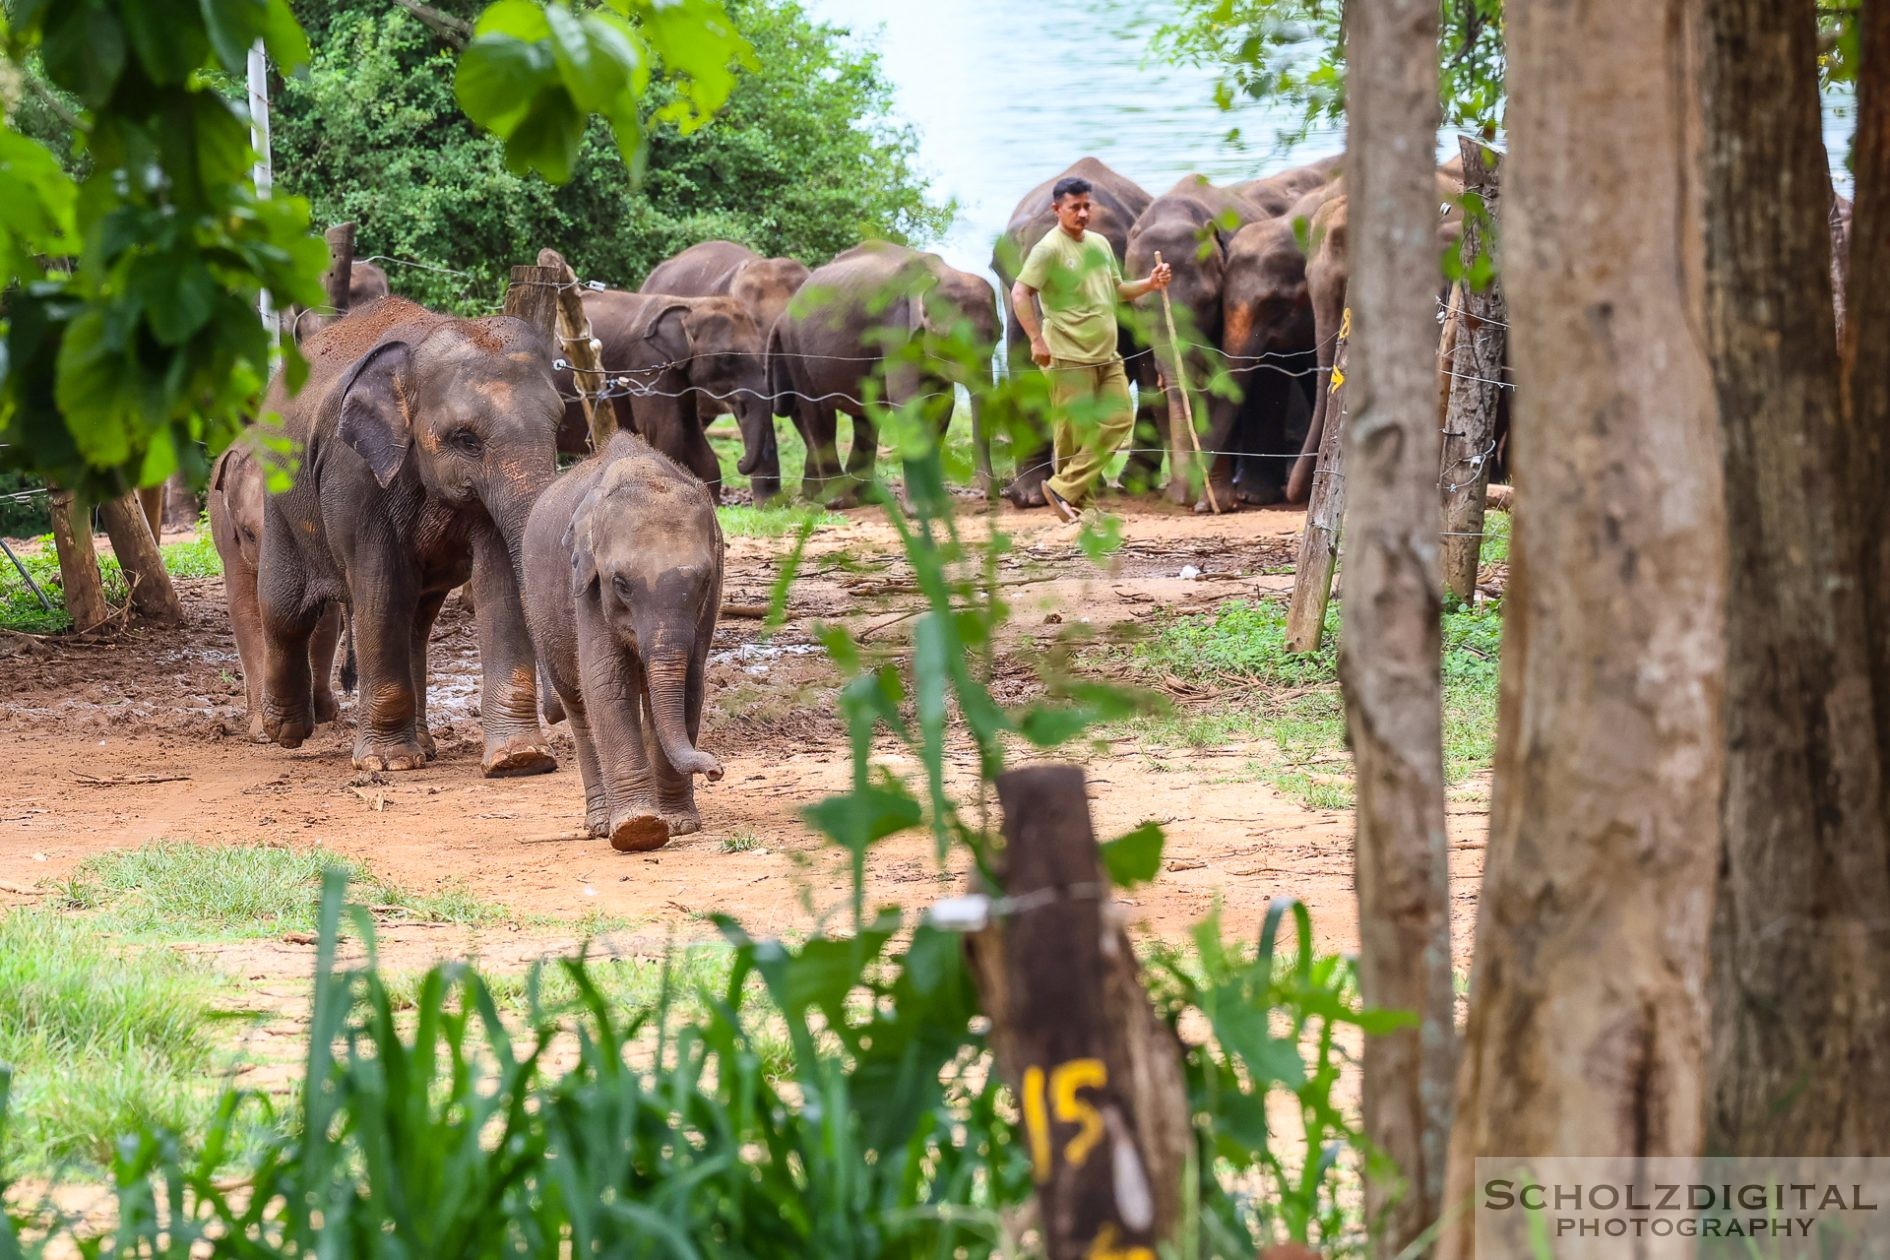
(580, 542)
(669, 331)
(919, 297)
(375, 421)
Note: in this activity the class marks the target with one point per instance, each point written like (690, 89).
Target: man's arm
(1129, 290)
(1024, 306)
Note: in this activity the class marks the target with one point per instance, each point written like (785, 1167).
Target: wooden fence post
(152, 594)
(338, 280)
(78, 562)
(1325, 512)
(1096, 1073)
(1470, 423)
(533, 297)
(583, 352)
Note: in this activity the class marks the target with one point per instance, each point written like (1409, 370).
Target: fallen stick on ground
(556, 837)
(21, 890)
(119, 780)
(753, 611)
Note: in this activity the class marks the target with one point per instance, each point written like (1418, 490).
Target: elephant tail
(780, 380)
(350, 671)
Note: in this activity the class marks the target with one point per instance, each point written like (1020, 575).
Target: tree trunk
(1587, 1003)
(78, 562)
(151, 503)
(339, 278)
(1391, 642)
(1325, 514)
(1801, 957)
(152, 594)
(1866, 366)
(1477, 361)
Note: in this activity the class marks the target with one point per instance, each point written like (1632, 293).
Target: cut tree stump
(1325, 512)
(1096, 1073)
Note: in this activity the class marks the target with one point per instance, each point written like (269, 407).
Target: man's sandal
(1061, 506)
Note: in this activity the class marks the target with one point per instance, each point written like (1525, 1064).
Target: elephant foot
(327, 709)
(380, 752)
(682, 822)
(1224, 498)
(257, 734)
(764, 489)
(1261, 495)
(288, 730)
(840, 500)
(638, 830)
(423, 737)
(520, 755)
(597, 819)
(1026, 496)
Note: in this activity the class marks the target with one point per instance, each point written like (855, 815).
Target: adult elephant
(1275, 194)
(1116, 202)
(852, 319)
(680, 359)
(425, 440)
(1189, 226)
(1328, 276)
(763, 286)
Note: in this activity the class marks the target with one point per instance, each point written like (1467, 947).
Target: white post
(259, 140)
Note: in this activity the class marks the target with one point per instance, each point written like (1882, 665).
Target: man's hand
(1159, 278)
(1040, 351)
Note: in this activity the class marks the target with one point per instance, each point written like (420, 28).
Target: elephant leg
(596, 807)
(321, 662)
(612, 686)
(818, 424)
(288, 622)
(239, 592)
(1224, 417)
(508, 703)
(862, 461)
(426, 612)
(384, 613)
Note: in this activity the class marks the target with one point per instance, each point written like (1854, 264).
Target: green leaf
(1135, 858)
(177, 292)
(82, 47)
(866, 816)
(547, 138)
(170, 44)
(591, 80)
(497, 79)
(90, 391)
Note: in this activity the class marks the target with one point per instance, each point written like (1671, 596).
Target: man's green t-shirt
(1076, 281)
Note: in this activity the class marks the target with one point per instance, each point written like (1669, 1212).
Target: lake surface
(1006, 93)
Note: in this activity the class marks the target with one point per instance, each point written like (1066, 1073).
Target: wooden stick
(1187, 405)
(120, 780)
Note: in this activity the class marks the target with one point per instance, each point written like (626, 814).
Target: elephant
(1275, 194)
(365, 283)
(1189, 226)
(424, 441)
(1117, 201)
(763, 286)
(623, 583)
(680, 356)
(237, 494)
(1327, 278)
(852, 316)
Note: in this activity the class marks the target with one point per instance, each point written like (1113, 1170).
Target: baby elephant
(623, 581)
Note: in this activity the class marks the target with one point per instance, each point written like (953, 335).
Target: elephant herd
(428, 458)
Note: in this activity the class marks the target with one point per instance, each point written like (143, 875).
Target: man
(1074, 272)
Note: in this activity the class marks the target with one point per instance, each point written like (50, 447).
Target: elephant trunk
(668, 684)
(509, 509)
(761, 457)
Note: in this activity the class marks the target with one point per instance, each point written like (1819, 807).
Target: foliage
(801, 160)
(1293, 51)
(741, 521)
(21, 610)
(26, 515)
(131, 344)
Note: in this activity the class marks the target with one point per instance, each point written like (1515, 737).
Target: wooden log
(152, 594)
(1097, 1074)
(1470, 423)
(1325, 511)
(533, 297)
(151, 503)
(78, 562)
(339, 277)
(584, 352)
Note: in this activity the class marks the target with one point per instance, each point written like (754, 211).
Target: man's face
(1072, 212)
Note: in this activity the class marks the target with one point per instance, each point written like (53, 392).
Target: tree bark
(78, 562)
(152, 594)
(603, 417)
(1801, 956)
(1391, 643)
(339, 278)
(1470, 423)
(1866, 366)
(1325, 515)
(533, 297)
(1587, 1005)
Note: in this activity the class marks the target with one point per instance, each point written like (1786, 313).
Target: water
(1006, 93)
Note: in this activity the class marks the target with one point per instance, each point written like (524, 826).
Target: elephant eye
(621, 585)
(464, 439)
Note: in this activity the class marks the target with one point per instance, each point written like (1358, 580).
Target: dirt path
(168, 703)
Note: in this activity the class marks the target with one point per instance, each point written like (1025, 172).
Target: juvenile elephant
(684, 359)
(763, 286)
(853, 316)
(425, 439)
(623, 585)
(237, 493)
(1116, 201)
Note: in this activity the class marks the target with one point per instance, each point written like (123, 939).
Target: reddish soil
(164, 702)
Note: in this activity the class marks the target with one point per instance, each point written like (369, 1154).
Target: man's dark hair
(1069, 186)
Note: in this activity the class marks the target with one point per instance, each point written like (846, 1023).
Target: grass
(101, 1040)
(742, 521)
(173, 891)
(21, 610)
(740, 841)
(1294, 701)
